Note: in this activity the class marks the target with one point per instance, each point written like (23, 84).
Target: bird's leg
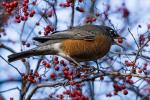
(70, 59)
(74, 61)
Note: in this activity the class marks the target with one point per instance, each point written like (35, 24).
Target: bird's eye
(112, 33)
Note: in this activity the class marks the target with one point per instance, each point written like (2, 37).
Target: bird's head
(113, 34)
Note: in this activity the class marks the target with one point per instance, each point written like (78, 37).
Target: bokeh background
(122, 15)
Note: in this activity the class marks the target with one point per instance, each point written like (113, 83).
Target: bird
(78, 44)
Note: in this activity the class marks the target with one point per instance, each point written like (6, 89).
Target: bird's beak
(119, 37)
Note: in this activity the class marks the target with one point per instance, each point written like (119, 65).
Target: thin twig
(72, 14)
(139, 50)
(11, 65)
(10, 90)
(133, 38)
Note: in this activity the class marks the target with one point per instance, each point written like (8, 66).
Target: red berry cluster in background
(143, 69)
(75, 93)
(129, 63)
(50, 13)
(25, 12)
(10, 6)
(68, 3)
(32, 77)
(48, 29)
(90, 19)
(80, 9)
(141, 40)
(118, 89)
(57, 67)
(124, 11)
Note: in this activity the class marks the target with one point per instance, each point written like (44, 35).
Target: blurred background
(29, 18)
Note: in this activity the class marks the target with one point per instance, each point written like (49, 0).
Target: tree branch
(66, 83)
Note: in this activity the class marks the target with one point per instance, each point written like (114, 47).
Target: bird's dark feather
(87, 32)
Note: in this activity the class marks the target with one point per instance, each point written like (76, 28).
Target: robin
(79, 44)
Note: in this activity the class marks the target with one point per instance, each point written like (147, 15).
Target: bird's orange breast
(86, 50)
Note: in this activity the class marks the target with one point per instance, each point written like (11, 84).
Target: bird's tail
(29, 53)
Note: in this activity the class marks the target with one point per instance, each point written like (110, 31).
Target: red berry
(53, 76)
(62, 62)
(115, 92)
(22, 18)
(7, 5)
(109, 95)
(28, 44)
(37, 23)
(80, 0)
(56, 62)
(140, 70)
(17, 16)
(120, 40)
(148, 26)
(145, 64)
(56, 68)
(56, 58)
(125, 12)
(15, 3)
(11, 98)
(47, 65)
(50, 13)
(18, 20)
(67, 4)
(33, 11)
(31, 15)
(26, 14)
(123, 86)
(36, 74)
(25, 18)
(125, 92)
(33, 81)
(101, 78)
(24, 4)
(26, 1)
(97, 14)
(4, 3)
(78, 92)
(24, 9)
(33, 3)
(66, 73)
(80, 9)
(44, 62)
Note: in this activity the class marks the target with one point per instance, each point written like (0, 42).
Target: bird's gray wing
(75, 33)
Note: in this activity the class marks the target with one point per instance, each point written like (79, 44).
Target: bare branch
(7, 48)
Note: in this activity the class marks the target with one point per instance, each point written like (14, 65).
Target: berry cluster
(74, 93)
(9, 7)
(90, 19)
(129, 63)
(32, 77)
(48, 29)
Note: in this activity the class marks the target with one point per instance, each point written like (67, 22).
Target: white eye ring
(111, 30)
